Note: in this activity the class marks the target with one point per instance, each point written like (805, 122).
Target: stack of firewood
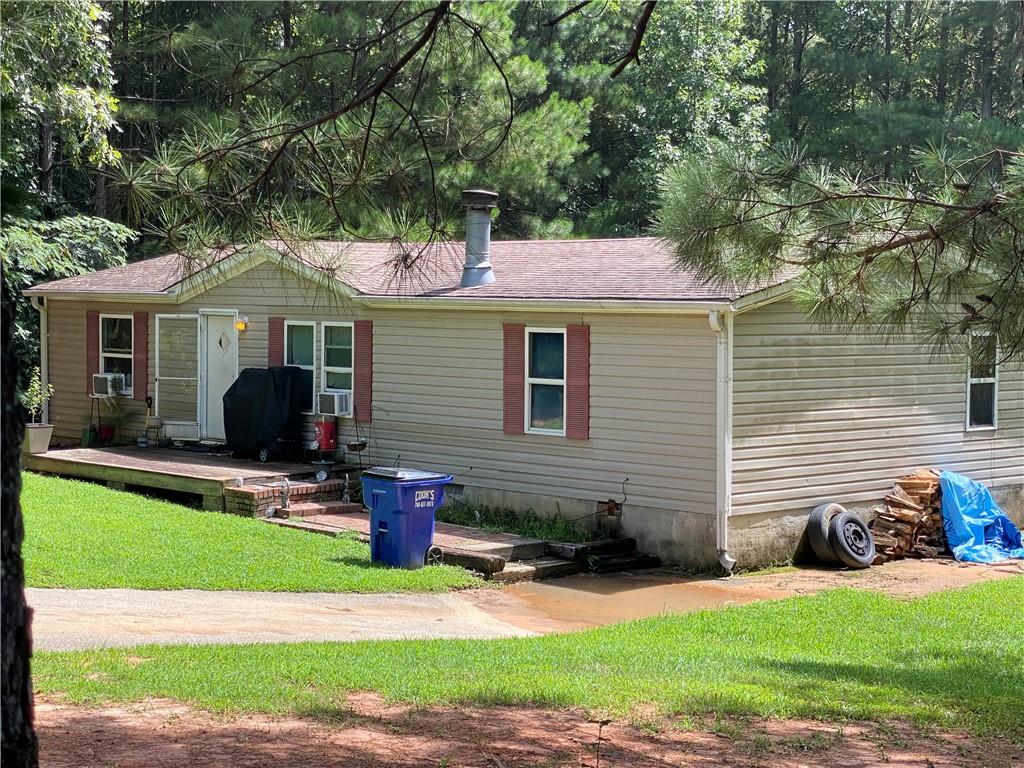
(909, 523)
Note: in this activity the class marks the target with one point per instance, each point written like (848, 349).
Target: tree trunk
(99, 194)
(46, 156)
(286, 23)
(773, 52)
(987, 67)
(887, 86)
(942, 75)
(908, 48)
(19, 748)
(796, 80)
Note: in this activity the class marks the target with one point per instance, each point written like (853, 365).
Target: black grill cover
(262, 407)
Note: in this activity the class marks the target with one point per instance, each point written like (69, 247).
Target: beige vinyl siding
(70, 404)
(821, 416)
(437, 392)
(437, 404)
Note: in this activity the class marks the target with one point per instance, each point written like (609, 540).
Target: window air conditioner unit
(107, 384)
(334, 403)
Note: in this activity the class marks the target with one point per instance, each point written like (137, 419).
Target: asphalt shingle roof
(639, 268)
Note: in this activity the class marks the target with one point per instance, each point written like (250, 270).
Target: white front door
(220, 369)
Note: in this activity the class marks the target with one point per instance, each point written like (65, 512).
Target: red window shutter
(140, 355)
(362, 397)
(514, 379)
(92, 348)
(275, 342)
(577, 382)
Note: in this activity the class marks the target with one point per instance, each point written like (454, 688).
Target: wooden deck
(201, 474)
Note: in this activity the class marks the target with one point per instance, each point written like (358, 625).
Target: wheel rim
(856, 539)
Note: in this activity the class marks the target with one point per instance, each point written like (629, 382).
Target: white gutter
(545, 305)
(44, 357)
(762, 297)
(722, 324)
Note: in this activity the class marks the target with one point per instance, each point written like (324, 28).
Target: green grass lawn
(953, 659)
(83, 535)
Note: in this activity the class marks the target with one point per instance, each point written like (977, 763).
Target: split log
(910, 522)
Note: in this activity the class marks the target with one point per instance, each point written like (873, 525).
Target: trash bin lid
(405, 475)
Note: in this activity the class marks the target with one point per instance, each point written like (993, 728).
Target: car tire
(851, 540)
(818, 532)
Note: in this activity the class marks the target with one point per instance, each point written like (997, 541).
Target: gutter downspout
(44, 357)
(722, 323)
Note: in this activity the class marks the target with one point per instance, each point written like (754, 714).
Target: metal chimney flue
(477, 269)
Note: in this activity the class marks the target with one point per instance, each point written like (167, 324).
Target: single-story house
(549, 375)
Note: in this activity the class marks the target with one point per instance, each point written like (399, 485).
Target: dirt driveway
(367, 732)
(78, 619)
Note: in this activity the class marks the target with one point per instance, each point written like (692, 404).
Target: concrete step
(481, 562)
(536, 569)
(514, 549)
(312, 508)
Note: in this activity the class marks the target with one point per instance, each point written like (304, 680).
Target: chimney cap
(479, 198)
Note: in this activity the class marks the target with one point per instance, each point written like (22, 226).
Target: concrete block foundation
(759, 540)
(677, 537)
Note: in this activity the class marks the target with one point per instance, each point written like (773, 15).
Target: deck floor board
(201, 474)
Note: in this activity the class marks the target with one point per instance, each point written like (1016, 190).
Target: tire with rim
(433, 556)
(817, 531)
(851, 540)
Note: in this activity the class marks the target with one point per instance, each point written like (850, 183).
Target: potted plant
(37, 435)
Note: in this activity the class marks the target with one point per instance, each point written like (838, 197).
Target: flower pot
(37, 438)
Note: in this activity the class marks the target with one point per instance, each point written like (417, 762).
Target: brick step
(313, 508)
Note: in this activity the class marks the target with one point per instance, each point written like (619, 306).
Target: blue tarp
(976, 528)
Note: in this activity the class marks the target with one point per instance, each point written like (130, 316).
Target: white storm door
(220, 369)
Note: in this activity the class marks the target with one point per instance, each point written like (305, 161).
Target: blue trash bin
(402, 503)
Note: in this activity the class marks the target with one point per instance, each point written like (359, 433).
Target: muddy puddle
(580, 602)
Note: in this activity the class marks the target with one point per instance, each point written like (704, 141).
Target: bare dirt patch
(366, 731)
(899, 578)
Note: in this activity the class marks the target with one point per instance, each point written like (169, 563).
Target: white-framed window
(982, 382)
(336, 357)
(545, 381)
(299, 350)
(117, 337)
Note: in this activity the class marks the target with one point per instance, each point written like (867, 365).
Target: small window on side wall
(299, 344)
(982, 385)
(545, 381)
(336, 363)
(116, 348)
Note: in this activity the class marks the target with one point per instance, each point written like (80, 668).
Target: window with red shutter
(275, 342)
(577, 382)
(140, 355)
(92, 348)
(545, 381)
(363, 373)
(514, 378)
